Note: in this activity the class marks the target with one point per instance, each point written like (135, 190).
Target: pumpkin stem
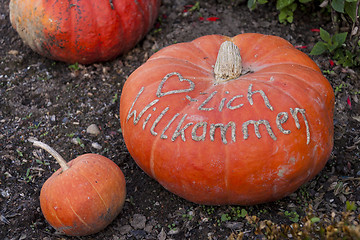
(53, 153)
(228, 63)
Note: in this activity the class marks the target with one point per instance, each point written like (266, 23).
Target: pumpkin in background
(83, 31)
(84, 196)
(220, 120)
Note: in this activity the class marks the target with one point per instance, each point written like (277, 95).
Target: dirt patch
(55, 103)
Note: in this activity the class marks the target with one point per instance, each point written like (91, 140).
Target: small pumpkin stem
(53, 153)
(228, 63)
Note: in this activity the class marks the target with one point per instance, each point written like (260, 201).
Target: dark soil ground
(56, 103)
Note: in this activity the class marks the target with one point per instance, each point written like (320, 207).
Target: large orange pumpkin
(246, 124)
(84, 196)
(83, 31)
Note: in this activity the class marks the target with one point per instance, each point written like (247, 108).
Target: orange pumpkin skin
(83, 31)
(85, 198)
(198, 138)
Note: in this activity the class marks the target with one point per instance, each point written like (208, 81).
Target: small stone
(96, 145)
(13, 52)
(125, 229)
(174, 231)
(5, 193)
(234, 225)
(23, 236)
(161, 235)
(116, 237)
(148, 228)
(138, 234)
(93, 130)
(291, 205)
(65, 120)
(138, 221)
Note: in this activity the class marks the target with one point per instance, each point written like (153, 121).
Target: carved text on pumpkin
(200, 129)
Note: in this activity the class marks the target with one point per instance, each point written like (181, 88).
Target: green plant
(350, 206)
(188, 216)
(19, 153)
(344, 46)
(172, 226)
(348, 7)
(74, 67)
(28, 175)
(196, 7)
(225, 217)
(27, 116)
(340, 88)
(115, 97)
(286, 8)
(238, 212)
(42, 162)
(293, 216)
(44, 134)
(252, 4)
(335, 46)
(303, 195)
(35, 125)
(208, 209)
(78, 141)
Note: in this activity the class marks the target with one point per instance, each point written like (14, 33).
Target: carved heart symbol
(159, 93)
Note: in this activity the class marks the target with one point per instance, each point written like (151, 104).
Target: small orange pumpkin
(220, 120)
(83, 31)
(84, 196)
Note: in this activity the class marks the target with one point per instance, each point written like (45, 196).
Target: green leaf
(251, 4)
(319, 48)
(350, 206)
(195, 7)
(280, 4)
(225, 217)
(350, 9)
(325, 36)
(282, 17)
(304, 1)
(19, 153)
(243, 213)
(290, 19)
(339, 38)
(346, 59)
(338, 5)
(293, 7)
(315, 219)
(332, 47)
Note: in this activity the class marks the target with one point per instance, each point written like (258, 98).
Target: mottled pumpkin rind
(85, 32)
